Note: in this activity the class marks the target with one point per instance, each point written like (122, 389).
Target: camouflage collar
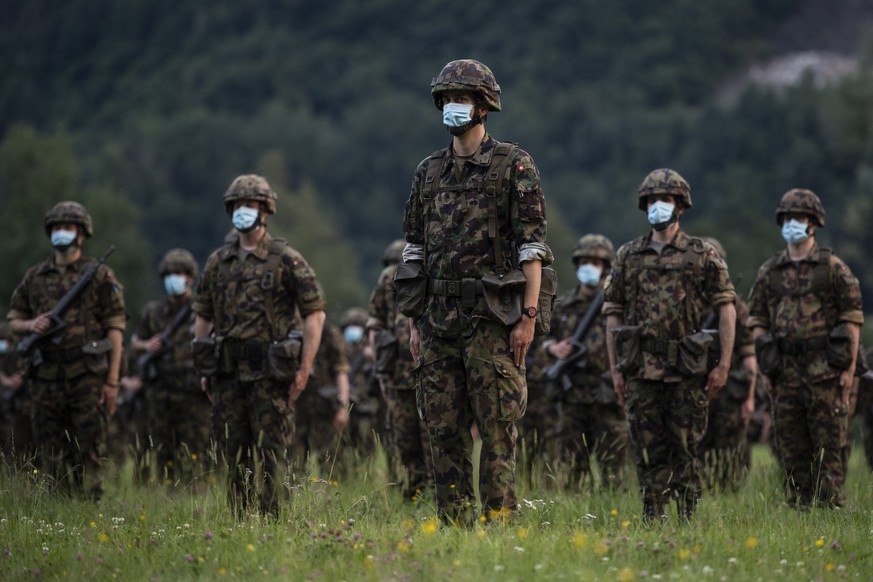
(482, 157)
(50, 265)
(813, 256)
(233, 249)
(680, 242)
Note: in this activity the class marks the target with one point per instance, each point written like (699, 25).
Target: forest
(145, 110)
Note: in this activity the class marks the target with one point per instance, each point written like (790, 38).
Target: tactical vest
(822, 284)
(691, 263)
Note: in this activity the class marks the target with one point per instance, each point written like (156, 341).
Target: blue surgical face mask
(794, 232)
(457, 114)
(4, 346)
(589, 275)
(353, 334)
(175, 284)
(64, 240)
(661, 213)
(245, 219)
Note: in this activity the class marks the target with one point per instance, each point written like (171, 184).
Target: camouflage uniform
(408, 441)
(316, 408)
(17, 402)
(665, 292)
(800, 308)
(466, 370)
(69, 426)
(367, 419)
(538, 430)
(253, 299)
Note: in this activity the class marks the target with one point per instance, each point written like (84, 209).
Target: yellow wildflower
(250, 547)
(580, 540)
(684, 553)
(752, 543)
(102, 538)
(625, 575)
(522, 533)
(819, 542)
(430, 526)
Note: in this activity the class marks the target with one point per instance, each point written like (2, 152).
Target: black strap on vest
(822, 285)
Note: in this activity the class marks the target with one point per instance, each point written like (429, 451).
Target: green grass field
(356, 527)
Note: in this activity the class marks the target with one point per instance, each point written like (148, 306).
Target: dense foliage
(151, 107)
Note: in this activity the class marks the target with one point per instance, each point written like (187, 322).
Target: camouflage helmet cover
(664, 181)
(719, 248)
(394, 252)
(466, 75)
(68, 212)
(595, 246)
(250, 187)
(178, 261)
(801, 201)
(354, 316)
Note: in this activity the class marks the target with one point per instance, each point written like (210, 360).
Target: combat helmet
(801, 201)
(719, 248)
(664, 181)
(178, 261)
(594, 246)
(466, 75)
(354, 316)
(394, 252)
(250, 187)
(68, 212)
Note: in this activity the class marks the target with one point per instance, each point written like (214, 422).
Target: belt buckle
(453, 288)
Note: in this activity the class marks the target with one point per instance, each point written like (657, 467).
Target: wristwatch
(530, 311)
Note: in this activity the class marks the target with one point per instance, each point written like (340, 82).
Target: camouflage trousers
(178, 428)
(314, 434)
(538, 430)
(667, 421)
(17, 428)
(810, 422)
(724, 451)
(594, 430)
(461, 381)
(252, 426)
(69, 431)
(409, 442)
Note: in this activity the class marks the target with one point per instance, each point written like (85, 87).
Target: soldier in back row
(17, 433)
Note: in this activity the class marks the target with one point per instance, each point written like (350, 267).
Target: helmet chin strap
(474, 121)
(664, 225)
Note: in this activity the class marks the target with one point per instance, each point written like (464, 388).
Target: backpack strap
(494, 184)
(273, 277)
(693, 262)
(821, 287)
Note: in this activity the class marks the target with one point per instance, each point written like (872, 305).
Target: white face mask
(794, 232)
(589, 275)
(175, 284)
(4, 346)
(661, 212)
(457, 114)
(63, 240)
(245, 219)
(353, 334)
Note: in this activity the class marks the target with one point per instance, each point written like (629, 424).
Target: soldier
(388, 331)
(178, 410)
(252, 366)
(592, 422)
(367, 420)
(475, 226)
(805, 316)
(724, 450)
(656, 294)
(17, 431)
(74, 377)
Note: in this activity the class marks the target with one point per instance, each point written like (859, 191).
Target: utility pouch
(387, 352)
(839, 347)
(503, 295)
(629, 356)
(96, 355)
(410, 289)
(283, 357)
(205, 355)
(693, 360)
(327, 401)
(546, 302)
(605, 390)
(768, 355)
(737, 386)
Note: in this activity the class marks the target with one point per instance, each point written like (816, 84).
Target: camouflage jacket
(451, 230)
(796, 312)
(98, 309)
(153, 320)
(385, 316)
(239, 290)
(663, 294)
(744, 345)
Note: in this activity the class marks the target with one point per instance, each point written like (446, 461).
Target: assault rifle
(146, 362)
(27, 345)
(560, 367)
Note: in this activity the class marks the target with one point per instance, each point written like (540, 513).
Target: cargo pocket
(511, 391)
(694, 354)
(205, 356)
(410, 289)
(283, 359)
(96, 355)
(629, 355)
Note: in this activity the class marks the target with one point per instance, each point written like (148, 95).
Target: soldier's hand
(561, 349)
(206, 386)
(716, 381)
(620, 386)
(154, 344)
(340, 420)
(520, 338)
(16, 380)
(108, 396)
(40, 323)
(414, 342)
(297, 387)
(847, 380)
(747, 410)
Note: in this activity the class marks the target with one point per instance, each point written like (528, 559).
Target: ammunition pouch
(204, 352)
(737, 387)
(410, 289)
(283, 357)
(839, 347)
(95, 353)
(693, 357)
(628, 349)
(768, 355)
(503, 295)
(387, 352)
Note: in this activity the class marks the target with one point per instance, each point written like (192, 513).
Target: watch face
(530, 311)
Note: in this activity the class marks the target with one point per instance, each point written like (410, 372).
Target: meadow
(352, 524)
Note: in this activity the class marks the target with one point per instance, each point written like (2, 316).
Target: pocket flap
(97, 347)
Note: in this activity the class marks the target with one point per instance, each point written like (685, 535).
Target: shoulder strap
(434, 170)
(494, 185)
(273, 277)
(693, 262)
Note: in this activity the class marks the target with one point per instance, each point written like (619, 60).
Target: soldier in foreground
(74, 376)
(475, 226)
(252, 367)
(806, 317)
(178, 410)
(656, 295)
